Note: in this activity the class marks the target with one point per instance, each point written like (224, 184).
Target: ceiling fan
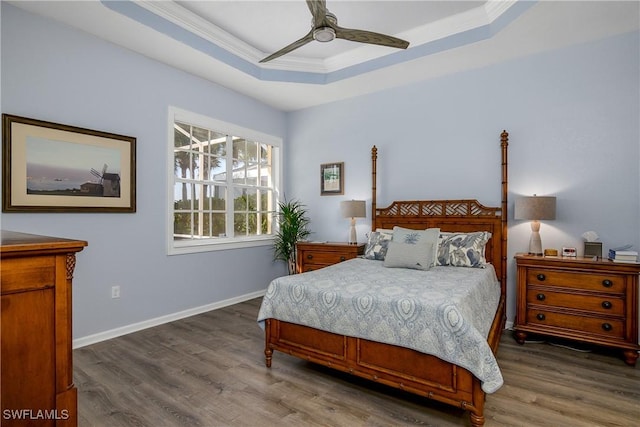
(324, 28)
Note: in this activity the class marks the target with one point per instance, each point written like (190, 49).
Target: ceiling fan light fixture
(324, 34)
(324, 28)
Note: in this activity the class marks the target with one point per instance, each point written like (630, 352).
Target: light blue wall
(55, 73)
(572, 115)
(573, 118)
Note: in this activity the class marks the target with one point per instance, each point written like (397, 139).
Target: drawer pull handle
(541, 277)
(607, 283)
(540, 316)
(606, 304)
(607, 326)
(309, 256)
(540, 297)
(342, 258)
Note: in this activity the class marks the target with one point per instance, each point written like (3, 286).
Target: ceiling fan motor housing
(324, 34)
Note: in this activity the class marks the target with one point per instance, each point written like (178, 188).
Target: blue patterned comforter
(445, 311)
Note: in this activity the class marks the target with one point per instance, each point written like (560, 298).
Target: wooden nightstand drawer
(611, 328)
(325, 258)
(611, 283)
(583, 299)
(312, 256)
(608, 305)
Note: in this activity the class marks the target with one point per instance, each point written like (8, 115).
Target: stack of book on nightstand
(623, 256)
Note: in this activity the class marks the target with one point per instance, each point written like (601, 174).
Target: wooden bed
(399, 367)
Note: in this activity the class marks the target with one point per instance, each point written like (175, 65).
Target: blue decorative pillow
(463, 249)
(412, 248)
(377, 245)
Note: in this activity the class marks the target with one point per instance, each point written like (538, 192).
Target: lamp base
(535, 243)
(353, 237)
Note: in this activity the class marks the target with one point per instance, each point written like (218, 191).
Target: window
(224, 186)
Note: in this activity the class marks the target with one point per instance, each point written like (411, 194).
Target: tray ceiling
(223, 40)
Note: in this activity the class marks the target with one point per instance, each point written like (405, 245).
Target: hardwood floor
(208, 370)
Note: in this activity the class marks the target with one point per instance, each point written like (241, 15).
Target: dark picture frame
(332, 179)
(50, 167)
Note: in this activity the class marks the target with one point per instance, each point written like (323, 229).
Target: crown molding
(495, 8)
(173, 12)
(184, 18)
(471, 19)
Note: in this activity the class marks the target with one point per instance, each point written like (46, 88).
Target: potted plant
(292, 226)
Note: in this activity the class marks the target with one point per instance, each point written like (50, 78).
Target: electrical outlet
(115, 292)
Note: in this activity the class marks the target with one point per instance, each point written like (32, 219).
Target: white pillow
(412, 248)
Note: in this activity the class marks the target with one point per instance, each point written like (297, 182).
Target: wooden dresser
(315, 255)
(579, 299)
(36, 379)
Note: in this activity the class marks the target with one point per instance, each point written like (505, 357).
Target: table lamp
(535, 209)
(353, 209)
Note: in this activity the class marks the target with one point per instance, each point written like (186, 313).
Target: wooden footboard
(398, 367)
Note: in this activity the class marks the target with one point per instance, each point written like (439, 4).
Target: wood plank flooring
(208, 370)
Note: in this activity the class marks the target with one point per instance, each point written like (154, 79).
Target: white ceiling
(223, 40)
(271, 25)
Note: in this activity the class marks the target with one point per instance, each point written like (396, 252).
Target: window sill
(194, 246)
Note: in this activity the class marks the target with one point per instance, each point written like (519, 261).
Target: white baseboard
(124, 330)
(508, 324)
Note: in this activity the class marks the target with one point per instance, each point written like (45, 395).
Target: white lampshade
(353, 209)
(535, 209)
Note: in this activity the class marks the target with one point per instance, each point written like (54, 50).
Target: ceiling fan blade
(293, 46)
(369, 37)
(325, 28)
(318, 9)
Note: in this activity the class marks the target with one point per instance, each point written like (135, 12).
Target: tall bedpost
(374, 158)
(504, 143)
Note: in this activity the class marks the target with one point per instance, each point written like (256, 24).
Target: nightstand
(579, 299)
(313, 255)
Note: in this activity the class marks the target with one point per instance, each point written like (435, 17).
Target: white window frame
(192, 246)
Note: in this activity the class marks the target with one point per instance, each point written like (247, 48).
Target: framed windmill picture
(49, 167)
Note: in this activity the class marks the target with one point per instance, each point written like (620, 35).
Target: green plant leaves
(292, 227)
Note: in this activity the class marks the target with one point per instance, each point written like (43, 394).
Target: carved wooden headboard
(452, 215)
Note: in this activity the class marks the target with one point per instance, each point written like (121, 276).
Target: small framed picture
(332, 179)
